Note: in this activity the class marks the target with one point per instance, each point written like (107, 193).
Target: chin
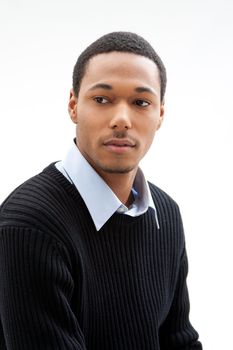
(117, 169)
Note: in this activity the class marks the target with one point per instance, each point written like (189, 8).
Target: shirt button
(121, 210)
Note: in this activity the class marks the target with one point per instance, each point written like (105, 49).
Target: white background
(191, 158)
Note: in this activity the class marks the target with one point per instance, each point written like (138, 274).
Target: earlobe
(72, 107)
(161, 117)
(159, 124)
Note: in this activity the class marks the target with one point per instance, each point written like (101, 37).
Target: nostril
(116, 127)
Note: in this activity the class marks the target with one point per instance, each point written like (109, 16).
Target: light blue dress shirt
(100, 200)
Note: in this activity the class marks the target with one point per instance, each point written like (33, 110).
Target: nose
(121, 119)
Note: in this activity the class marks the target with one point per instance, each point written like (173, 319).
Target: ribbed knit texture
(65, 286)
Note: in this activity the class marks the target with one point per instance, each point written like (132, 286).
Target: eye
(141, 103)
(100, 100)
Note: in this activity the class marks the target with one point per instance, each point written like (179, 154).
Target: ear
(161, 117)
(72, 107)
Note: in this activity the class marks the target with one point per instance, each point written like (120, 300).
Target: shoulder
(161, 198)
(34, 201)
(40, 209)
(168, 211)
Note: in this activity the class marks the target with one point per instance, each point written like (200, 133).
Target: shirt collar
(100, 200)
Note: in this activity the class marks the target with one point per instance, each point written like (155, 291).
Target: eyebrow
(101, 86)
(139, 89)
(145, 89)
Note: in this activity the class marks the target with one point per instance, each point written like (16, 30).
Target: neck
(121, 185)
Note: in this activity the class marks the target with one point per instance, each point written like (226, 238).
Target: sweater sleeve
(36, 288)
(177, 332)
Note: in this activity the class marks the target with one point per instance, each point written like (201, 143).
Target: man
(91, 255)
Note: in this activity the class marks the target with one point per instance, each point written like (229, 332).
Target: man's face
(117, 111)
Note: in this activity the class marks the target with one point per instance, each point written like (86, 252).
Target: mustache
(120, 135)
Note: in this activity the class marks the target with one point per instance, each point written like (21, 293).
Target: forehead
(121, 66)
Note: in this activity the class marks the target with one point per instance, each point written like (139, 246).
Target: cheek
(148, 133)
(149, 140)
(148, 129)
(87, 131)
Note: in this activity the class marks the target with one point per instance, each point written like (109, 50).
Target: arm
(176, 331)
(36, 288)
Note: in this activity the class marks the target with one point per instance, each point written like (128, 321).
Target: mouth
(119, 145)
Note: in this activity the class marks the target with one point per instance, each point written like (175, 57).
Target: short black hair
(121, 42)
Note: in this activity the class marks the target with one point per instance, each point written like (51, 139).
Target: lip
(119, 145)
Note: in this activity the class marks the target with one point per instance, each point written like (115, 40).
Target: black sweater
(64, 286)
